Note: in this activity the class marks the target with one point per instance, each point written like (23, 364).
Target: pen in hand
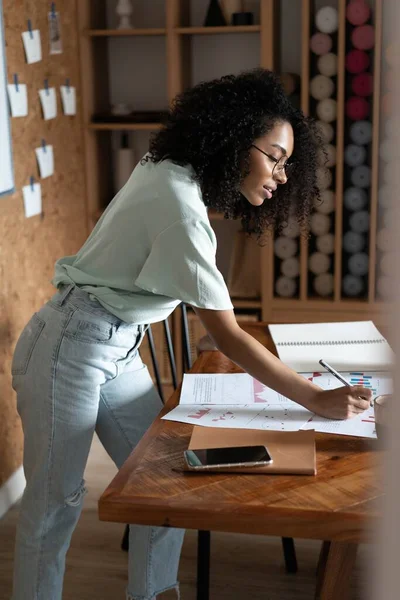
(336, 374)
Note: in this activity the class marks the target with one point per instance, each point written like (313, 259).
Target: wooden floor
(243, 566)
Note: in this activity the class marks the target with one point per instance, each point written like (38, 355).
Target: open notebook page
(346, 346)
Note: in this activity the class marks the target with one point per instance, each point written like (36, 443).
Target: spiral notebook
(348, 346)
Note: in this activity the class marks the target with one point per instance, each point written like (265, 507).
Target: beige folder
(292, 452)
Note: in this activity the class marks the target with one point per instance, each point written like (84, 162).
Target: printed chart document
(348, 346)
(236, 400)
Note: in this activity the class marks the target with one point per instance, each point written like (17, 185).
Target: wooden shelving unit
(178, 33)
(308, 307)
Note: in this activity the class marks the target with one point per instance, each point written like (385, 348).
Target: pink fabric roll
(358, 12)
(363, 84)
(357, 61)
(363, 37)
(357, 109)
(321, 43)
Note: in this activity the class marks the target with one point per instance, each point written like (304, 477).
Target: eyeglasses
(280, 165)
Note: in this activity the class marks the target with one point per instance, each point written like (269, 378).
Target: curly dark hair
(212, 125)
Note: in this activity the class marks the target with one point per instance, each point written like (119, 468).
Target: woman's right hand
(341, 403)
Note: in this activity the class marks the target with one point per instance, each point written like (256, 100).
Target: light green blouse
(153, 248)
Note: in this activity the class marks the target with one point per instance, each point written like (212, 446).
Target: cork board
(30, 247)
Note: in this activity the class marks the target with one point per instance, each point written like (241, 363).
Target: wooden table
(340, 505)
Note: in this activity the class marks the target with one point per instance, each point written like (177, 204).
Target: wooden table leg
(334, 571)
(323, 556)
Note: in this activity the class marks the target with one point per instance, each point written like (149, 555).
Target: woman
(235, 145)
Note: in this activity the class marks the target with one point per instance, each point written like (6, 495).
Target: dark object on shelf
(215, 16)
(242, 18)
(148, 116)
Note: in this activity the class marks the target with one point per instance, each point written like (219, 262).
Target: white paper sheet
(68, 97)
(32, 200)
(45, 158)
(238, 400)
(18, 99)
(48, 100)
(32, 45)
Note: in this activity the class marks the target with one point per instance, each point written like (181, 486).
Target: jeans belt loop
(65, 292)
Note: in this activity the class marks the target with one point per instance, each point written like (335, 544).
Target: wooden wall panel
(30, 247)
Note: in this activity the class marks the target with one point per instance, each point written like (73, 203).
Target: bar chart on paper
(363, 424)
(379, 383)
(364, 380)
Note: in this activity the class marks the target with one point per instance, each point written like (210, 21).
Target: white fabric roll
(285, 247)
(321, 87)
(290, 267)
(327, 64)
(319, 263)
(327, 19)
(327, 110)
(325, 243)
(285, 286)
(320, 223)
(323, 284)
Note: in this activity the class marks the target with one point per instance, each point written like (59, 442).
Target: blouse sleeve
(181, 265)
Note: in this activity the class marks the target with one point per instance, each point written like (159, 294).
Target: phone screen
(224, 456)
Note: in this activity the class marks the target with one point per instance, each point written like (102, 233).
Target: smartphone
(238, 456)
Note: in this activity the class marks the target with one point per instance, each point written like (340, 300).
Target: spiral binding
(332, 343)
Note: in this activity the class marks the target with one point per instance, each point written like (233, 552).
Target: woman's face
(263, 178)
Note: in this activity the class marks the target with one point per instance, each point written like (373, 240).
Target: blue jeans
(76, 369)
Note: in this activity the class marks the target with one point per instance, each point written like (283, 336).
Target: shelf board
(125, 32)
(253, 303)
(223, 29)
(124, 126)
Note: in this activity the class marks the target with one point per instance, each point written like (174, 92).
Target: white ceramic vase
(124, 11)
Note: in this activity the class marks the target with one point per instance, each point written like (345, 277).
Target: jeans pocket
(97, 331)
(26, 345)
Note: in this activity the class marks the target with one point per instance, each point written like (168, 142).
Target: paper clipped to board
(18, 97)
(45, 158)
(347, 346)
(32, 45)
(32, 195)
(48, 100)
(68, 97)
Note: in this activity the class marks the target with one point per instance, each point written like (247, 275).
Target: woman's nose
(280, 177)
